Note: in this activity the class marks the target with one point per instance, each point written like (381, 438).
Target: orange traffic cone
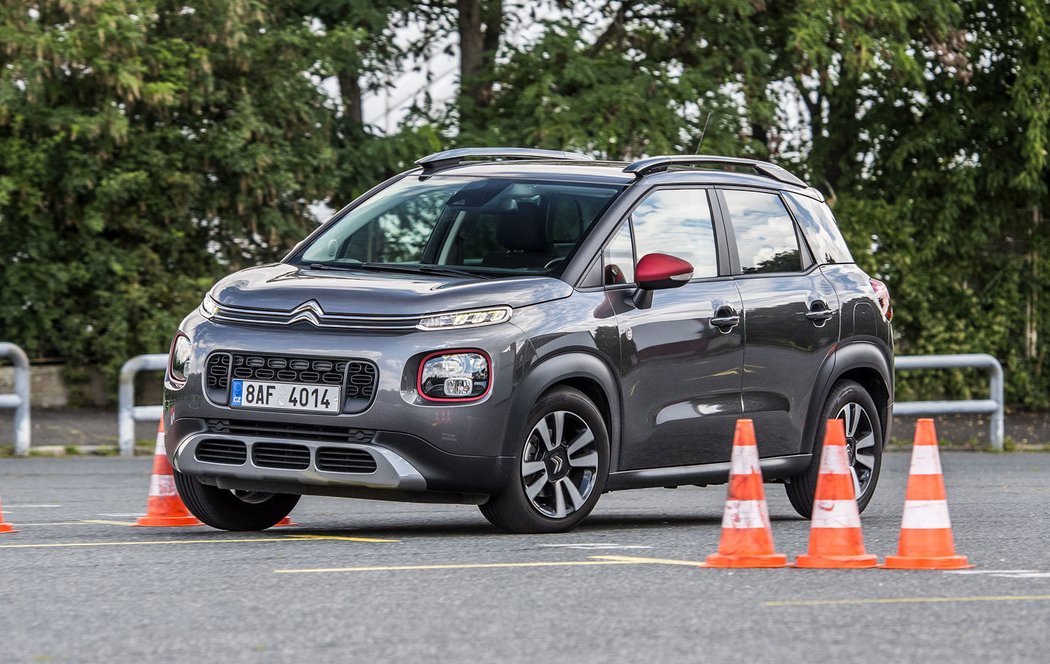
(835, 539)
(164, 507)
(4, 526)
(747, 539)
(926, 531)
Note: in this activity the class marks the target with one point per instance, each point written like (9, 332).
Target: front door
(681, 357)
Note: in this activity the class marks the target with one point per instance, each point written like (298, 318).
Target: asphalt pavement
(398, 582)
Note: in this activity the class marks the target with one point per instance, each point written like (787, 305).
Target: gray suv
(524, 330)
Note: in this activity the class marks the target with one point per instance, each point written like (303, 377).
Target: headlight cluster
(179, 359)
(458, 319)
(456, 375)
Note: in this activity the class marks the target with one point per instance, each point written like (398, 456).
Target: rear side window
(765, 234)
(820, 229)
(677, 222)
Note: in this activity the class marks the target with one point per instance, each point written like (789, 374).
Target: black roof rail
(644, 167)
(440, 160)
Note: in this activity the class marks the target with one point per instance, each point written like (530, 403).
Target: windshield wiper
(329, 266)
(424, 269)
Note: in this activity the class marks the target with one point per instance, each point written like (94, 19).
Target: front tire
(233, 510)
(561, 467)
(850, 402)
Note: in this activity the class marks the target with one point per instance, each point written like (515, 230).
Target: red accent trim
(422, 363)
(171, 356)
(660, 267)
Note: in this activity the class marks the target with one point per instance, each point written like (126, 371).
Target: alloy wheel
(559, 465)
(860, 445)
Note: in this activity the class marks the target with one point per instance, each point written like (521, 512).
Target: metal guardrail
(19, 400)
(992, 405)
(127, 412)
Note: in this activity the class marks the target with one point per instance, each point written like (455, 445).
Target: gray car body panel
(562, 331)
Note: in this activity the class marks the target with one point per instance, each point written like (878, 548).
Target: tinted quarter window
(820, 228)
(765, 234)
(677, 222)
(618, 258)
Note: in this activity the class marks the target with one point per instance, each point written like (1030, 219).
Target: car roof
(612, 173)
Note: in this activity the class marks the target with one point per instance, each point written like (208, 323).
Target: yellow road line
(910, 600)
(594, 561)
(343, 538)
(291, 538)
(652, 561)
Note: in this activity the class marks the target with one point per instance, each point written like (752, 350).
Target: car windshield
(491, 227)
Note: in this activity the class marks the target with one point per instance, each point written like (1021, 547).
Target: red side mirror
(656, 271)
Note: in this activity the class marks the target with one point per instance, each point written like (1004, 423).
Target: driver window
(678, 222)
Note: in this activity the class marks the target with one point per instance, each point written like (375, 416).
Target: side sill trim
(702, 474)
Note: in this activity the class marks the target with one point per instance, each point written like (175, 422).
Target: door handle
(819, 311)
(725, 316)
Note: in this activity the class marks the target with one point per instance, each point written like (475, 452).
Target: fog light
(458, 387)
(454, 376)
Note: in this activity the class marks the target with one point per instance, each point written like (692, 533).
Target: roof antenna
(703, 132)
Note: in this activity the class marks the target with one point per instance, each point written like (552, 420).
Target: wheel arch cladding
(864, 363)
(579, 370)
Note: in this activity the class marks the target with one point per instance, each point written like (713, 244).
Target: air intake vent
(277, 455)
(337, 460)
(229, 452)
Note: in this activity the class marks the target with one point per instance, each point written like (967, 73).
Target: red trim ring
(422, 363)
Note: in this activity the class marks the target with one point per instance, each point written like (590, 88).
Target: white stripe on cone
(162, 485)
(836, 514)
(833, 460)
(159, 448)
(745, 514)
(925, 460)
(926, 514)
(744, 460)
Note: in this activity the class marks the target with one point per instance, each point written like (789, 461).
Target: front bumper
(419, 448)
(403, 466)
(391, 470)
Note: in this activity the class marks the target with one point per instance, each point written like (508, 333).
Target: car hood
(283, 287)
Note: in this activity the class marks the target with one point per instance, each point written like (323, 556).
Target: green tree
(145, 149)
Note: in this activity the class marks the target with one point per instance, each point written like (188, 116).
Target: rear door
(681, 357)
(791, 316)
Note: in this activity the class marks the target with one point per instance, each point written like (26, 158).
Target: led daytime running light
(209, 307)
(458, 319)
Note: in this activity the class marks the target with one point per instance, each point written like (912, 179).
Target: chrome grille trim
(313, 316)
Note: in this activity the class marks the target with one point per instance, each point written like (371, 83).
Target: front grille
(259, 429)
(229, 452)
(345, 460)
(357, 377)
(281, 455)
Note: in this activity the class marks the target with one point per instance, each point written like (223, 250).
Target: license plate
(285, 396)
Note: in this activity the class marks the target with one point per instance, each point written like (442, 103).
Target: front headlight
(457, 375)
(179, 359)
(473, 318)
(209, 307)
